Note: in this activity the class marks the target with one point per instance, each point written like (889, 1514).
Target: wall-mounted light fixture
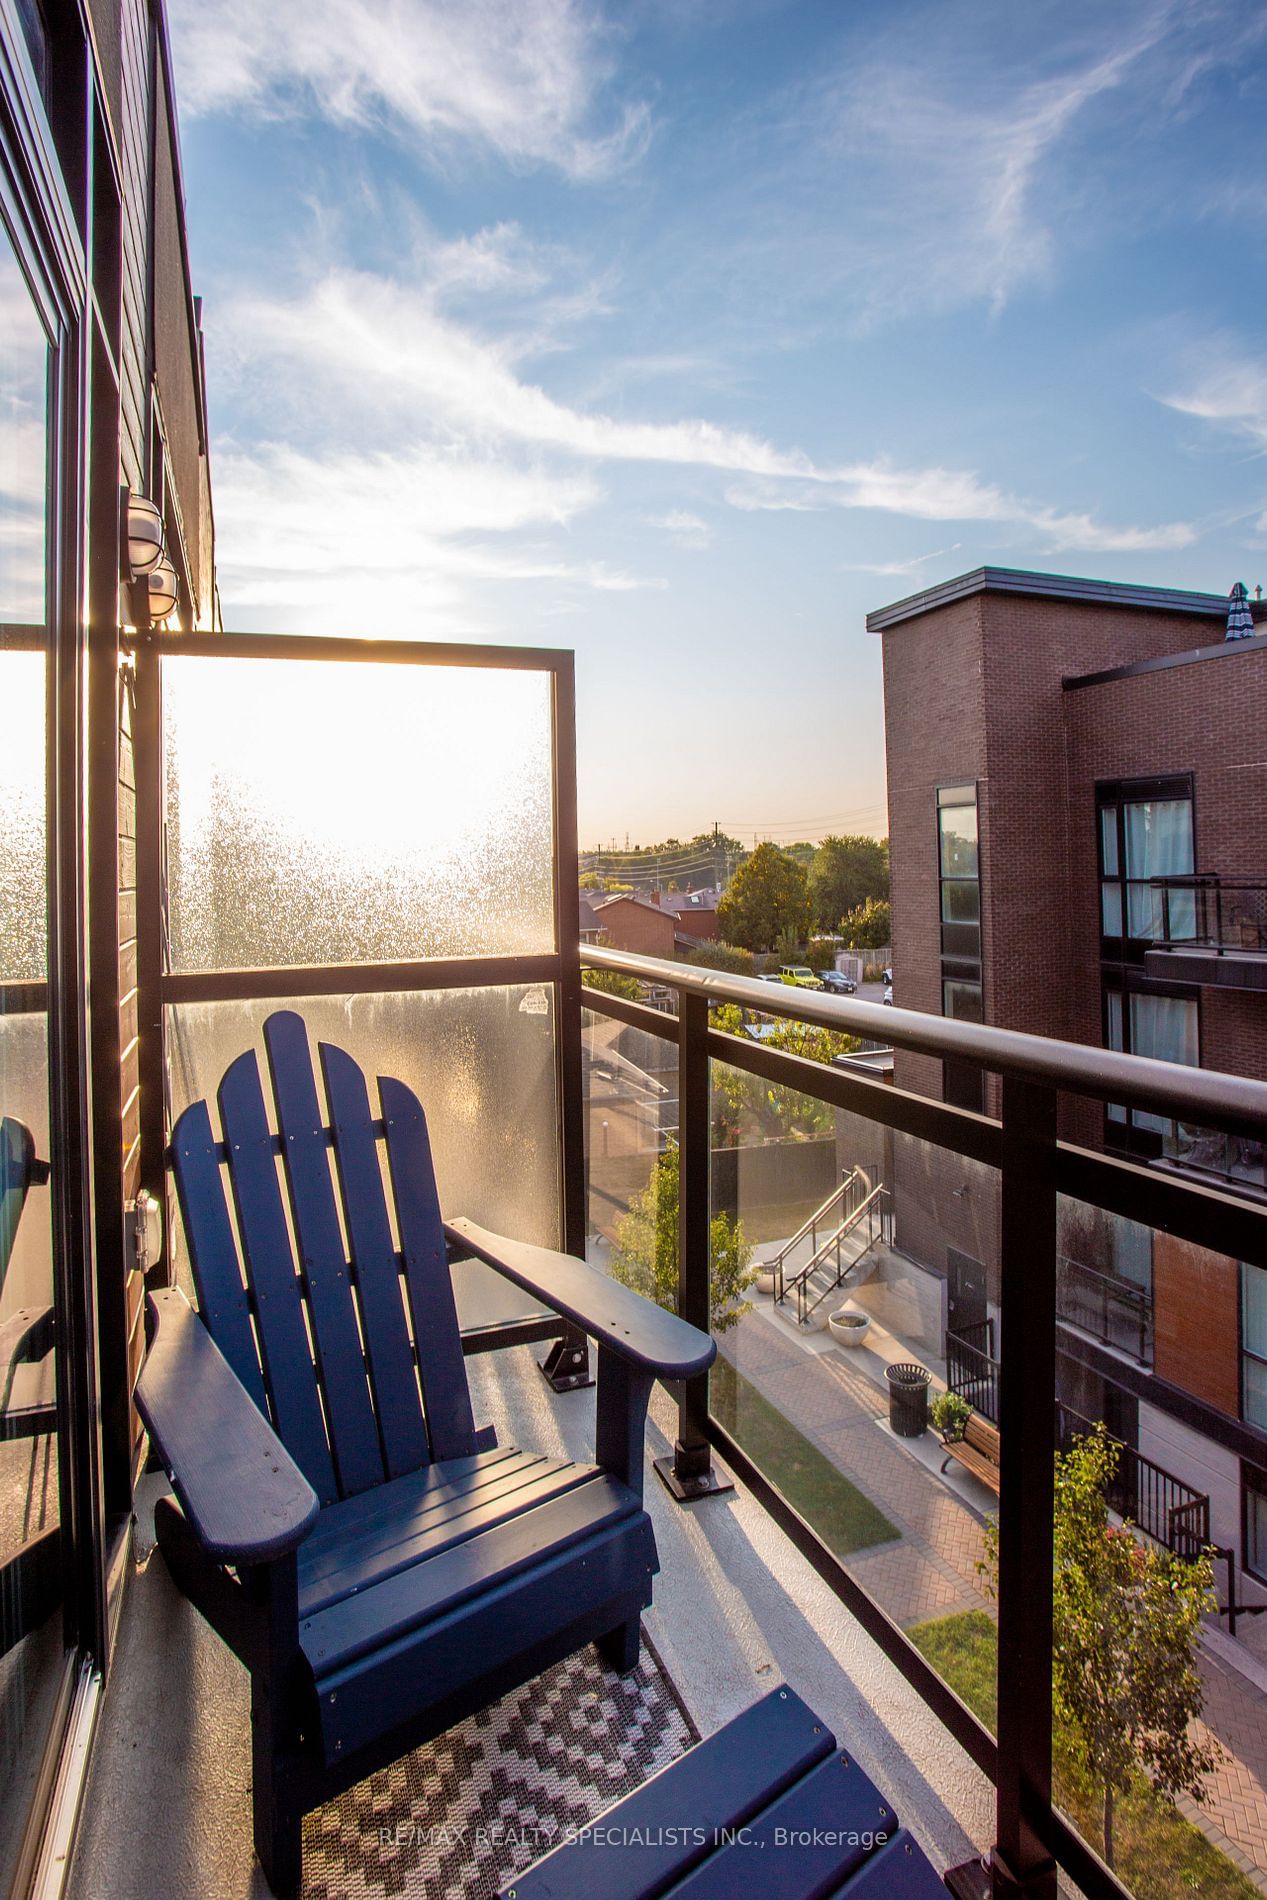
(142, 535)
(164, 589)
(143, 559)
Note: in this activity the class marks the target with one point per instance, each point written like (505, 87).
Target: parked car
(800, 974)
(837, 984)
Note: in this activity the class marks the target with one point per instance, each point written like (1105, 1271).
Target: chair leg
(275, 1723)
(619, 1647)
(278, 1819)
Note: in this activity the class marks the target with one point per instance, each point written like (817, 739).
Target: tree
(768, 894)
(613, 984)
(647, 1248)
(746, 1108)
(845, 873)
(1125, 1684)
(870, 927)
(728, 957)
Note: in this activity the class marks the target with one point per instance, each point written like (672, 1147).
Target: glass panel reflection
(356, 813)
(23, 907)
(23, 448)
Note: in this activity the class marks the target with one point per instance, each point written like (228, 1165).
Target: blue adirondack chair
(28, 1400)
(380, 1565)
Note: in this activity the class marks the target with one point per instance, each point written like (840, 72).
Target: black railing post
(1022, 1861)
(690, 1472)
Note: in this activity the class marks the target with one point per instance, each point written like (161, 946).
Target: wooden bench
(769, 1804)
(977, 1451)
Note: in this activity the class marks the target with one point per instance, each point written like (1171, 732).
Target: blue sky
(685, 332)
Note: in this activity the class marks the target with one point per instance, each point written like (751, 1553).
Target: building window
(1254, 1344)
(1254, 1506)
(959, 889)
(962, 1001)
(1161, 1024)
(1145, 833)
(958, 865)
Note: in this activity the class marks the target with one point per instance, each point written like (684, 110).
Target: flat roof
(1012, 580)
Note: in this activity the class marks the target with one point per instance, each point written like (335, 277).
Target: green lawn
(1160, 1856)
(844, 1519)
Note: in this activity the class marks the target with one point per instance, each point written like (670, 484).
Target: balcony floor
(167, 1806)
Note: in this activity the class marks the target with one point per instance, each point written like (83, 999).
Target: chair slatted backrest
(19, 1172)
(322, 1342)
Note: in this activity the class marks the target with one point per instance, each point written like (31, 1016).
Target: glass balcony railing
(1114, 1311)
(709, 1154)
(1209, 911)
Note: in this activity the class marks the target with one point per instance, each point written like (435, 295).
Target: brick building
(635, 923)
(662, 924)
(694, 912)
(1078, 842)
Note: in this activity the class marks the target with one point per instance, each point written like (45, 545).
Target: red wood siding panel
(1196, 1321)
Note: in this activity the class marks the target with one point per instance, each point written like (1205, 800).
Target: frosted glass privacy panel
(482, 1062)
(23, 906)
(327, 812)
(24, 1097)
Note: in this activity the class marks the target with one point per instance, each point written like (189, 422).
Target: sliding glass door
(33, 1646)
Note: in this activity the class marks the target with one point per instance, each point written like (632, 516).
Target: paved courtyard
(930, 1569)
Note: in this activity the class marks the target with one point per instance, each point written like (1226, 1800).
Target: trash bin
(908, 1398)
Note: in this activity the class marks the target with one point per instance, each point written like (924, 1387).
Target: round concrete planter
(765, 1283)
(849, 1327)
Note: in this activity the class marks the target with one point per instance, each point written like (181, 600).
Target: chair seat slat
(404, 1540)
(289, 1372)
(334, 1638)
(354, 1537)
(450, 1424)
(354, 1442)
(375, 1264)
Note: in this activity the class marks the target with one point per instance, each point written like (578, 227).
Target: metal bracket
(566, 1367)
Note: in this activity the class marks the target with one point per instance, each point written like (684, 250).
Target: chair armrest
(245, 1497)
(26, 1334)
(614, 1315)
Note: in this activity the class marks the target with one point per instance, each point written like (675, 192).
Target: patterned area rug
(458, 1819)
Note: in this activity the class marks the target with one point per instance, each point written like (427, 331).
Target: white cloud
(910, 566)
(522, 77)
(1227, 389)
(940, 494)
(393, 541)
(949, 150)
(687, 530)
(389, 351)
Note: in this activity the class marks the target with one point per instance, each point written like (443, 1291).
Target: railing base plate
(709, 1483)
(566, 1367)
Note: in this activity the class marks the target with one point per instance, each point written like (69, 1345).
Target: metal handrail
(1034, 1167)
(1109, 1075)
(808, 1226)
(867, 1206)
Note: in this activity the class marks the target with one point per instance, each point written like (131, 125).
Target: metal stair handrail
(809, 1226)
(868, 1206)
